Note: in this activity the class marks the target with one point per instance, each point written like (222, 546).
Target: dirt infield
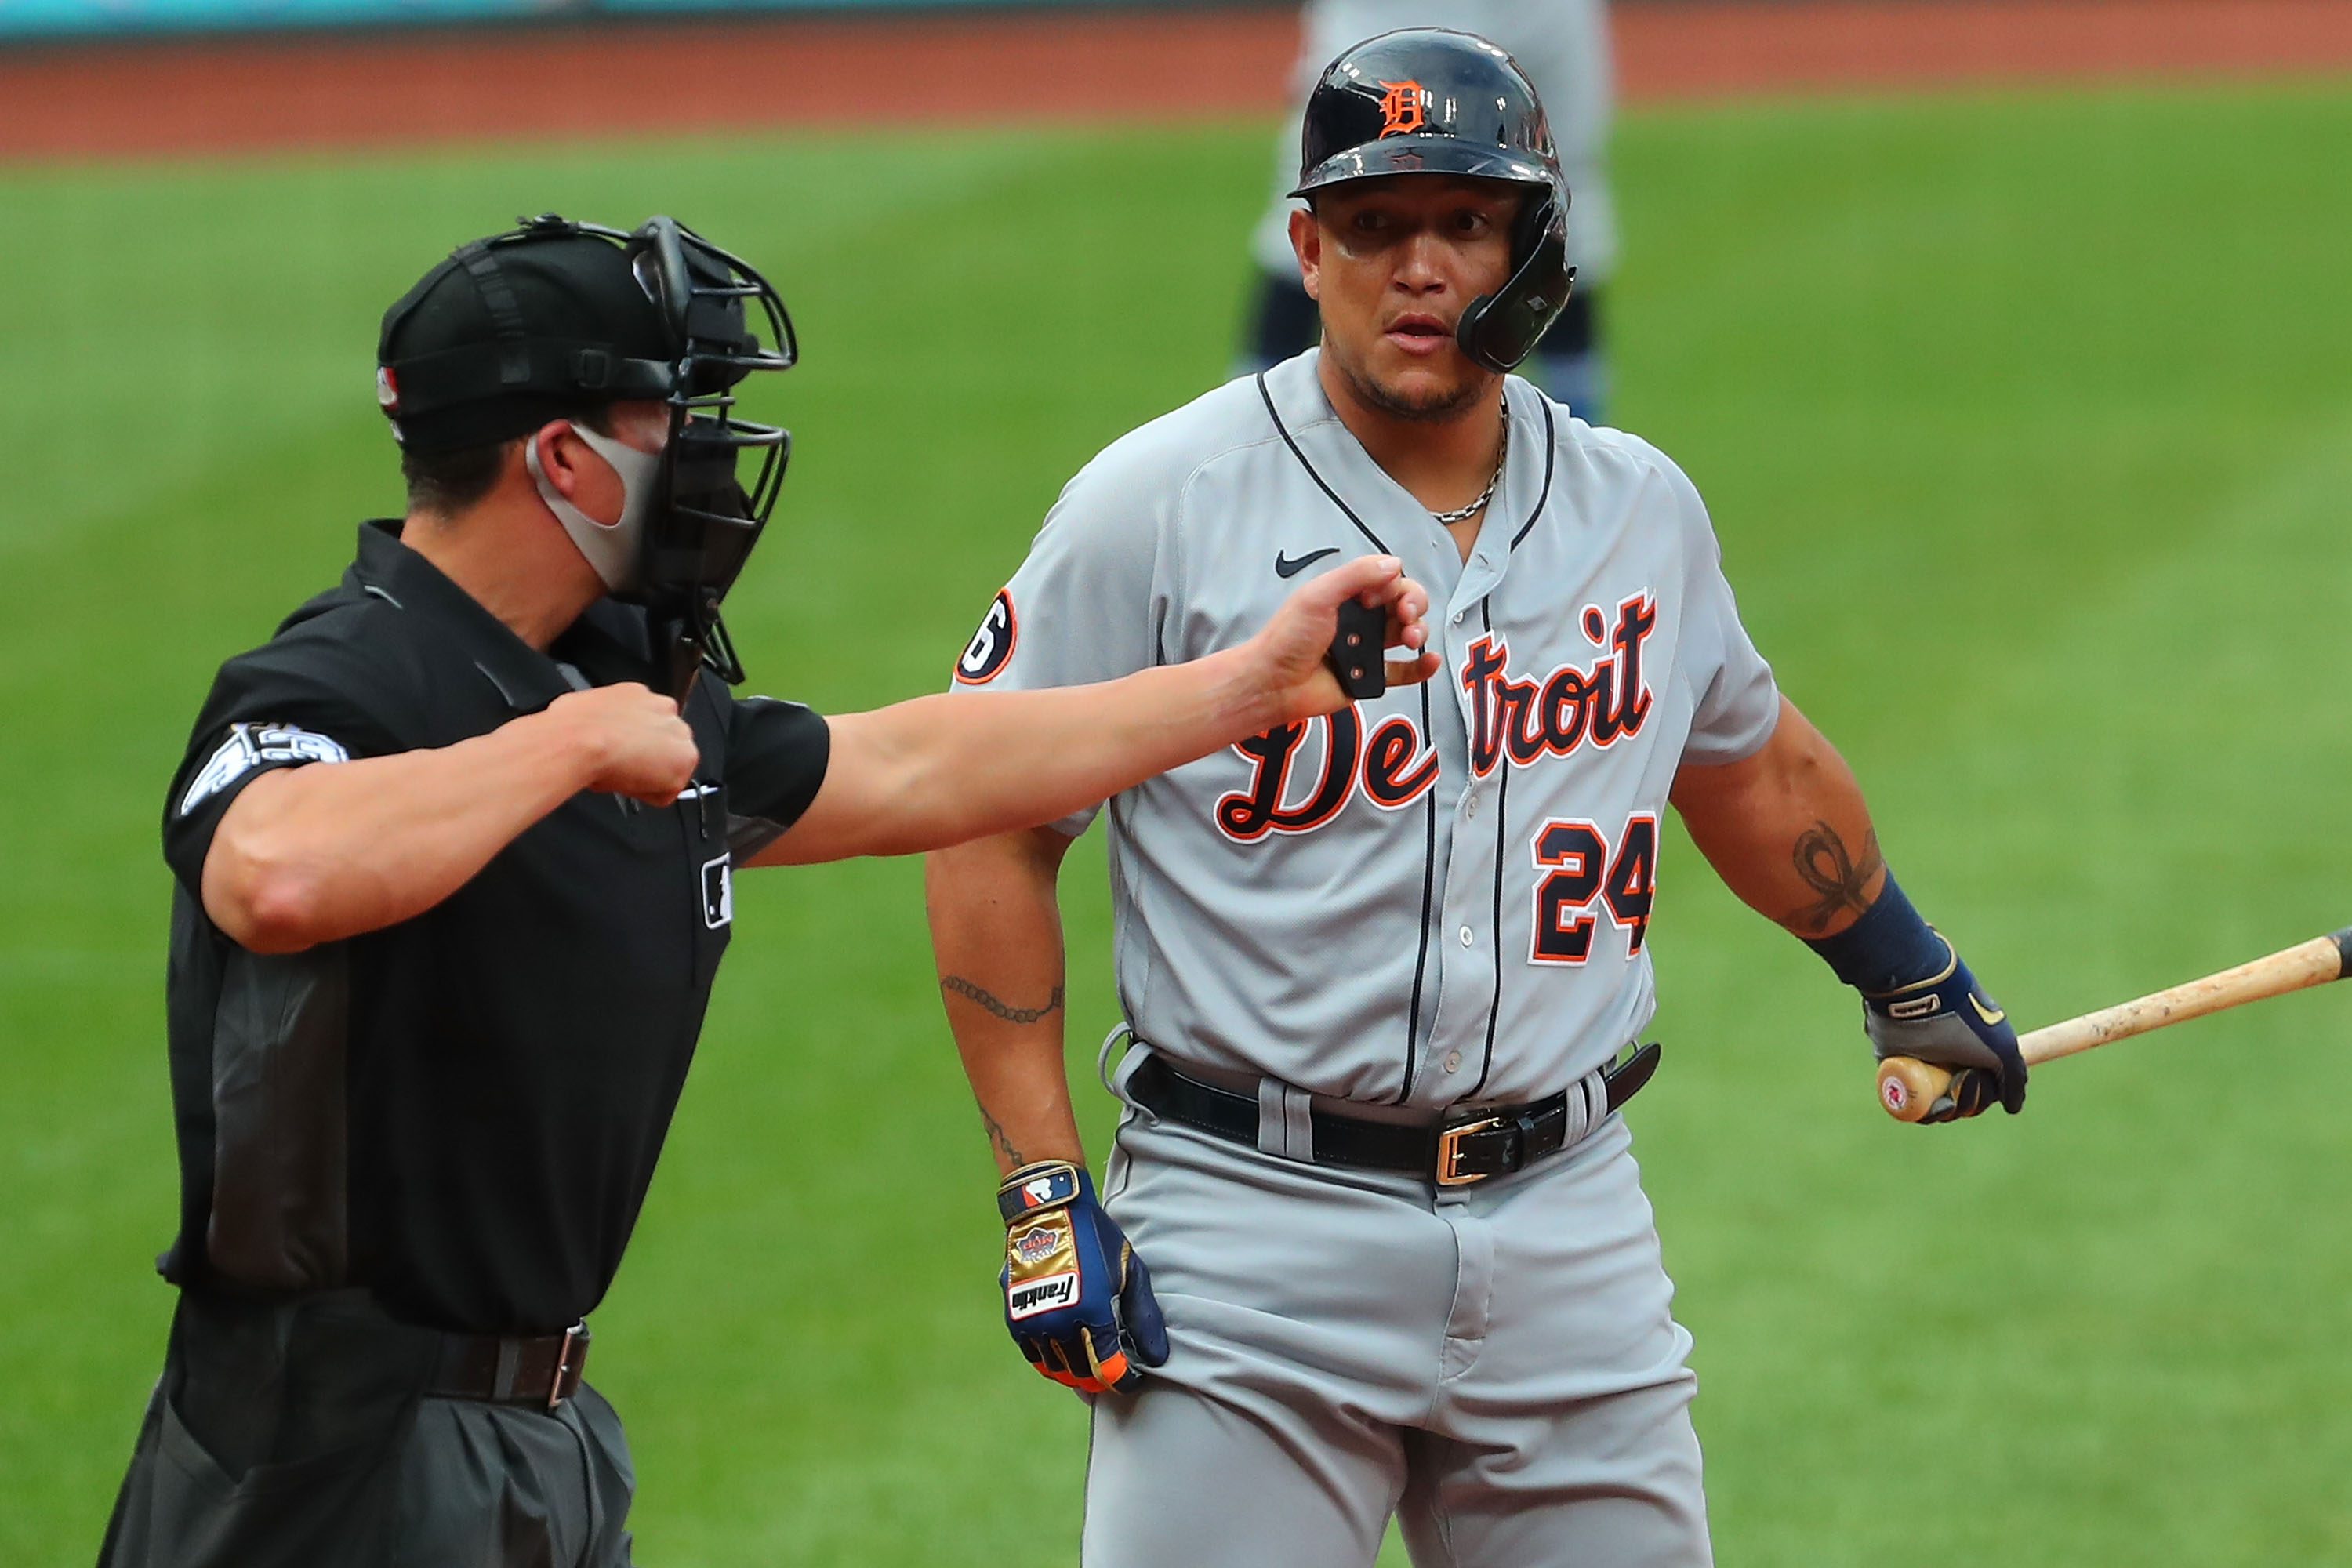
(173, 98)
(1685, 50)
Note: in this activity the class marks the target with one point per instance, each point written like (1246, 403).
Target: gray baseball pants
(1496, 1365)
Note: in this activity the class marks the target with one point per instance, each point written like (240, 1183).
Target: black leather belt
(1465, 1148)
(542, 1370)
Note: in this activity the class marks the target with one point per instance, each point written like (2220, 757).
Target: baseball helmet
(556, 318)
(1429, 101)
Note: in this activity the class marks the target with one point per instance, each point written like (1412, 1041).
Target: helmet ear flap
(1499, 331)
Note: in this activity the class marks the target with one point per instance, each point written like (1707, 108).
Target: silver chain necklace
(1464, 513)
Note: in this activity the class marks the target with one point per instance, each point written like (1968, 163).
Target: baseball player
(1563, 46)
(1370, 1240)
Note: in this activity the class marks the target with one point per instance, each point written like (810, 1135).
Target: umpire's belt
(511, 1369)
(1468, 1147)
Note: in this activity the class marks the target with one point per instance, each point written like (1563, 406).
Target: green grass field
(2027, 425)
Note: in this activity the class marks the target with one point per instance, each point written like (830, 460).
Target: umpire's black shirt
(461, 1111)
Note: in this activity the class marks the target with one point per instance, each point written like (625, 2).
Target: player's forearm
(944, 770)
(996, 935)
(1787, 829)
(318, 853)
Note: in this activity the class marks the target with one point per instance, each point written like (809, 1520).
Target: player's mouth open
(1419, 333)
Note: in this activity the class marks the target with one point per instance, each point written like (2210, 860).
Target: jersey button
(1457, 617)
(1466, 938)
(1471, 808)
(1453, 1061)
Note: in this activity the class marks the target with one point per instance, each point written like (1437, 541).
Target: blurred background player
(1563, 45)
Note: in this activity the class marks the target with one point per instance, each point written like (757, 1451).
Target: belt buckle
(576, 1336)
(1449, 1152)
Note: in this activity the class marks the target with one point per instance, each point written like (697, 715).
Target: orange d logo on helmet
(1400, 108)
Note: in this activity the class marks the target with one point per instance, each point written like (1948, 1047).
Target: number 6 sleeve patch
(985, 657)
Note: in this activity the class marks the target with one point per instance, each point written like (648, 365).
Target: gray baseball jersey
(1442, 895)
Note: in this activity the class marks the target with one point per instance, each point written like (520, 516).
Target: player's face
(1394, 263)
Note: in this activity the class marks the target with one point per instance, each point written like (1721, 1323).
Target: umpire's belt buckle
(1471, 1151)
(564, 1381)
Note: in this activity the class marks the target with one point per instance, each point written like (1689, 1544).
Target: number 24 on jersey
(1578, 876)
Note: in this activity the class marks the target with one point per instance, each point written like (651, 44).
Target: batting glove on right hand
(1948, 1019)
(1076, 1299)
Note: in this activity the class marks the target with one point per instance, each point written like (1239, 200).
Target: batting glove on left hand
(1076, 1299)
(1948, 1019)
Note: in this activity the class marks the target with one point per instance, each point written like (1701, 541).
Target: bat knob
(1909, 1088)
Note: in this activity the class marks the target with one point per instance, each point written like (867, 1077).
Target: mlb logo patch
(1054, 1186)
(718, 891)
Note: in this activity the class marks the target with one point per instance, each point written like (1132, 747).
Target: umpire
(453, 855)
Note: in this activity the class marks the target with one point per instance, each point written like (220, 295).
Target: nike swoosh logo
(1995, 1017)
(1284, 566)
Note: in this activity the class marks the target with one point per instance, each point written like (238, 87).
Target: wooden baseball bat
(1909, 1088)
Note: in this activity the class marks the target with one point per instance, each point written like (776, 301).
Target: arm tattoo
(999, 1142)
(958, 985)
(1823, 865)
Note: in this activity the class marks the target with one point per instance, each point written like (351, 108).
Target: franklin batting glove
(1076, 1299)
(1948, 1019)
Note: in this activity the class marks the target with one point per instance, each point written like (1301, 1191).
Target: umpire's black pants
(299, 1434)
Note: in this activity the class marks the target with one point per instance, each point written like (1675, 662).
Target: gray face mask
(617, 550)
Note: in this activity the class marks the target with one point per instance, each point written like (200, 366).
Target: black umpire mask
(557, 318)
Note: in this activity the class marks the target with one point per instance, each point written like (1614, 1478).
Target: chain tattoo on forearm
(958, 986)
(1824, 865)
(999, 1142)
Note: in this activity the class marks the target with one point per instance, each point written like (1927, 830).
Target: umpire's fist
(1078, 1300)
(632, 740)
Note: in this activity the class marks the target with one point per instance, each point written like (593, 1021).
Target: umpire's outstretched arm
(942, 770)
(313, 855)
